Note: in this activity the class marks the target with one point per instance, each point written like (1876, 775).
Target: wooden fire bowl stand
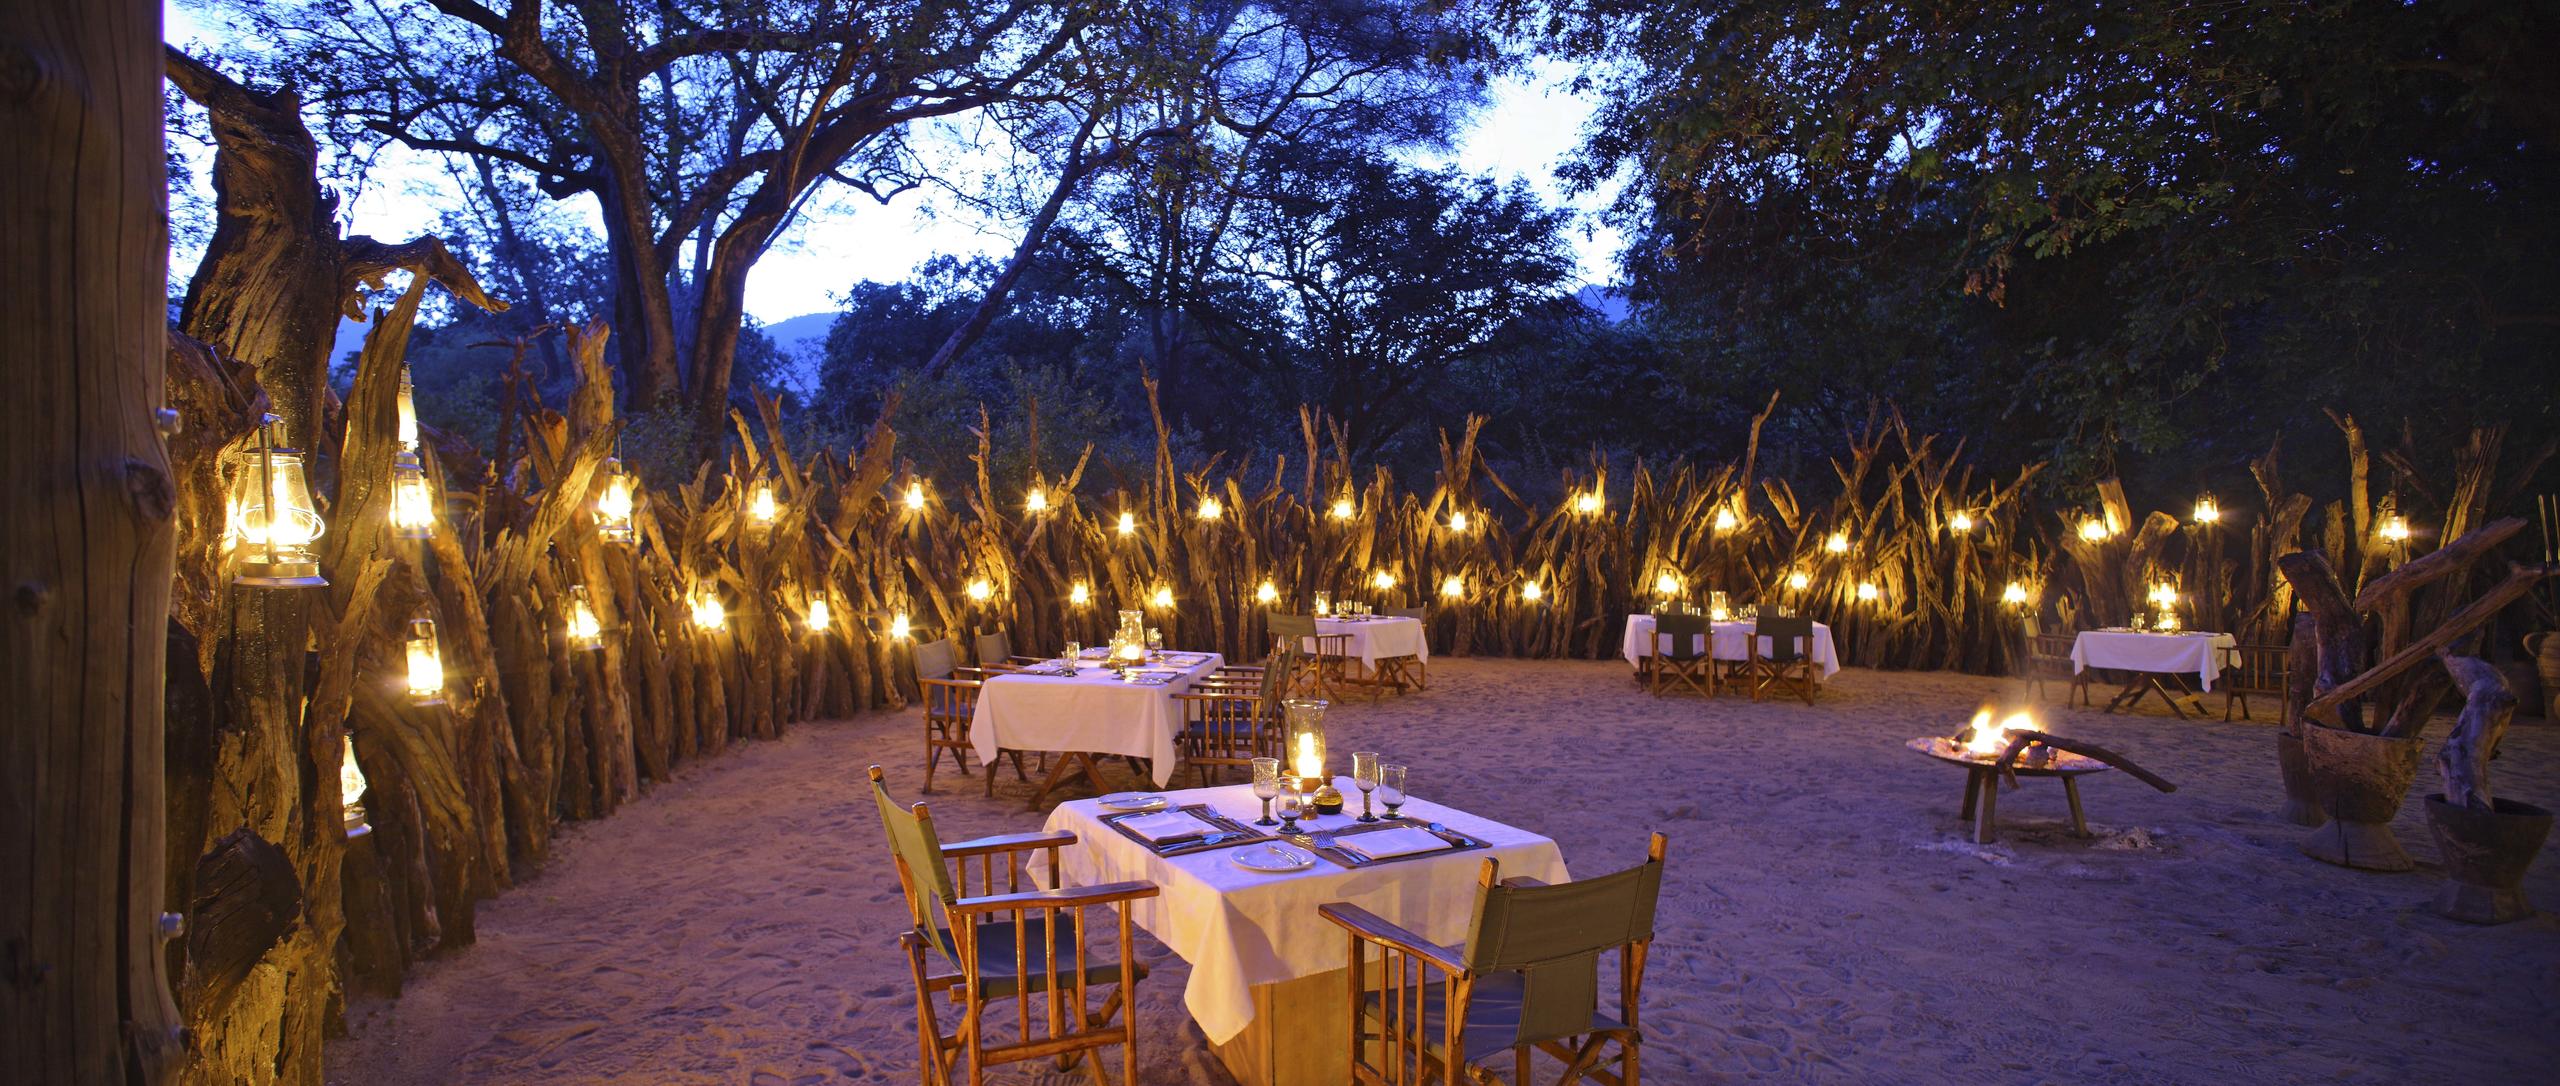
(2072, 760)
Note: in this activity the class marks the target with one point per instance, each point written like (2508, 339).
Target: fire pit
(2013, 748)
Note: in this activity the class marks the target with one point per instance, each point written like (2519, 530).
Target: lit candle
(2094, 530)
(1867, 592)
(1080, 594)
(708, 612)
(584, 631)
(426, 663)
(2208, 511)
(413, 510)
(1588, 502)
(1726, 521)
(614, 504)
(1310, 763)
(1666, 584)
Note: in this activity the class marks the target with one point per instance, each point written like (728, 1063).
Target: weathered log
(2340, 639)
(248, 899)
(2488, 704)
(2337, 699)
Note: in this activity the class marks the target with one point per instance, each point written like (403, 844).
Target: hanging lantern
(2015, 594)
(2095, 530)
(2207, 510)
(1457, 522)
(614, 504)
(915, 497)
(1799, 580)
(1867, 592)
(820, 615)
(1038, 501)
(1453, 588)
(1163, 597)
(1587, 503)
(2394, 528)
(1960, 523)
(273, 520)
(898, 626)
(1266, 593)
(709, 614)
(979, 590)
(1666, 584)
(1726, 521)
(1080, 595)
(1837, 544)
(1342, 509)
(426, 663)
(408, 410)
(413, 504)
(1383, 579)
(351, 786)
(584, 632)
(761, 506)
(1211, 510)
(1531, 592)
(1128, 524)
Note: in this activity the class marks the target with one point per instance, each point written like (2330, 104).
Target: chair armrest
(1010, 842)
(1066, 898)
(1029, 659)
(1370, 927)
(1517, 882)
(956, 684)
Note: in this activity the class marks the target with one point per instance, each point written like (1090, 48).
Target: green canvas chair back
(936, 659)
(994, 648)
(1553, 937)
(1275, 677)
(928, 881)
(1683, 633)
(1789, 638)
(1292, 627)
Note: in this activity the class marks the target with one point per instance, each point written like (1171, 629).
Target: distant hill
(804, 336)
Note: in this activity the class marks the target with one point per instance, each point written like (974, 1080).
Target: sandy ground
(1826, 917)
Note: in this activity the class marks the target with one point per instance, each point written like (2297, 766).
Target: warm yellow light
(1037, 502)
(898, 626)
(583, 630)
(1531, 592)
(708, 612)
(1587, 502)
(351, 786)
(271, 519)
(1453, 588)
(1989, 740)
(1310, 761)
(1666, 584)
(1837, 544)
(2164, 594)
(426, 663)
(614, 504)
(413, 505)
(915, 496)
(1211, 510)
(1457, 522)
(408, 410)
(2395, 528)
(979, 590)
(1726, 521)
(1383, 579)
(1128, 524)
(1961, 522)
(1080, 595)
(2015, 593)
(1342, 509)
(2094, 530)
(1266, 592)
(1867, 592)
(760, 503)
(820, 615)
(2207, 510)
(1163, 597)
(1799, 580)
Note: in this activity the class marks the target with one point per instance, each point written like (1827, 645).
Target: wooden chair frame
(2250, 668)
(1403, 670)
(1322, 672)
(1406, 967)
(1795, 673)
(1074, 1030)
(1697, 672)
(2049, 660)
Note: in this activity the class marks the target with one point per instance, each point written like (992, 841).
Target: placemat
(1241, 833)
(1322, 843)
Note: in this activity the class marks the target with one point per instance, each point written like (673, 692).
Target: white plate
(1132, 801)
(1271, 857)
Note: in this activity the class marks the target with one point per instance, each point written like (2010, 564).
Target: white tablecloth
(1093, 712)
(1377, 639)
(1242, 928)
(1731, 643)
(2198, 654)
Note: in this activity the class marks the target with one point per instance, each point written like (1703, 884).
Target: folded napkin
(1400, 841)
(1164, 824)
(1150, 678)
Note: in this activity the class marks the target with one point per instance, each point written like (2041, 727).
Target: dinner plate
(1133, 801)
(1271, 857)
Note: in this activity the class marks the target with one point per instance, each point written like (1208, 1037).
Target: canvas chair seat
(1492, 1027)
(995, 956)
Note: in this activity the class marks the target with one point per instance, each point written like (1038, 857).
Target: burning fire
(1984, 739)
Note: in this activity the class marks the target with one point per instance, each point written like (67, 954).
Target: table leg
(2079, 820)
(2126, 697)
(1983, 831)
(1972, 792)
(1068, 765)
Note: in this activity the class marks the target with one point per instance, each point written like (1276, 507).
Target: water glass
(1391, 788)
(1155, 642)
(1364, 775)
(1075, 650)
(1266, 787)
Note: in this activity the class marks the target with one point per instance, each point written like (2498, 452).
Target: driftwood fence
(1911, 558)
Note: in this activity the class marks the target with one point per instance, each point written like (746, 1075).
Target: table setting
(1120, 702)
(1731, 641)
(2152, 656)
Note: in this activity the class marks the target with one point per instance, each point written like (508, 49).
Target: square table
(1375, 638)
(1731, 642)
(2151, 657)
(1267, 984)
(1094, 712)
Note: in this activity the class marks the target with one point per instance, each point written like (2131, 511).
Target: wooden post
(88, 547)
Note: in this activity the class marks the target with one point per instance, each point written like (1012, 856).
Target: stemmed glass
(1293, 803)
(1155, 643)
(1390, 788)
(1075, 650)
(1364, 773)
(1266, 787)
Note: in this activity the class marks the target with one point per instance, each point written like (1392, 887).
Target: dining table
(1095, 711)
(1267, 984)
(2157, 661)
(1731, 642)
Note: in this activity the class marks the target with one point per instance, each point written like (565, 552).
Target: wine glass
(1266, 787)
(1075, 649)
(1364, 774)
(1155, 643)
(1391, 788)
(1293, 803)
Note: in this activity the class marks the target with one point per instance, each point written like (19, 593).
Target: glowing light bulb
(1266, 592)
(1128, 524)
(1837, 544)
(426, 663)
(820, 616)
(1799, 580)
(1080, 595)
(915, 496)
(1453, 588)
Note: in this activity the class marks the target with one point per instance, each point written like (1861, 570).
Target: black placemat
(1458, 842)
(1243, 834)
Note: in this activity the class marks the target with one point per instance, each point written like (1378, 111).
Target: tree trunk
(89, 547)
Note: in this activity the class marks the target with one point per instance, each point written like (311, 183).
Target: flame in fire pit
(1985, 739)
